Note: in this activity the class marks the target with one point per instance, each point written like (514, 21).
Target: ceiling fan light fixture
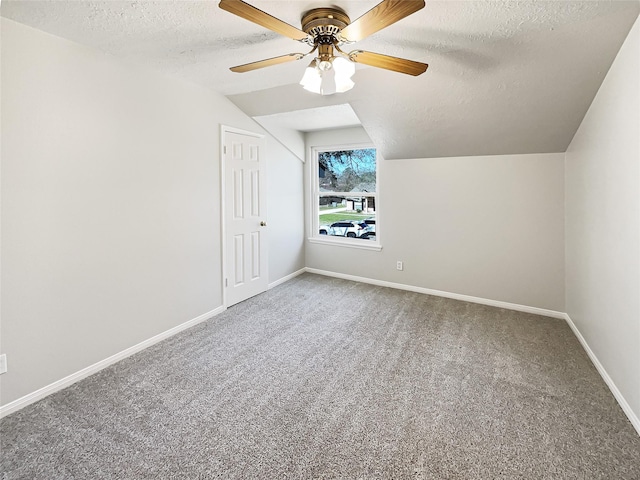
(322, 82)
(327, 81)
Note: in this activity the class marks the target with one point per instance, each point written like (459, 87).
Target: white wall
(285, 211)
(110, 206)
(489, 227)
(603, 224)
(292, 140)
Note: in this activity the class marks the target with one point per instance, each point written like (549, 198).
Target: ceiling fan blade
(247, 67)
(255, 15)
(382, 15)
(388, 62)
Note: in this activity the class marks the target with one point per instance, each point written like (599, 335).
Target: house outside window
(345, 197)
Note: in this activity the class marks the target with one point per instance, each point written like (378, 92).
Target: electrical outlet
(399, 265)
(3, 363)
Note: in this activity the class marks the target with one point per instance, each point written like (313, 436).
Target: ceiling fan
(325, 30)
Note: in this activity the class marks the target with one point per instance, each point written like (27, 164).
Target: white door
(245, 216)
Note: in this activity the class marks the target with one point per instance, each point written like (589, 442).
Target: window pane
(352, 217)
(347, 170)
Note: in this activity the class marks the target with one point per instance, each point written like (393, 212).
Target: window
(345, 198)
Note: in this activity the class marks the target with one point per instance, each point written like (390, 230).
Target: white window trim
(314, 193)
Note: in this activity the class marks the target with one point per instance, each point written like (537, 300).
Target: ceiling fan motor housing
(324, 22)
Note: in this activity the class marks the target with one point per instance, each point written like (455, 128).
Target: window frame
(314, 196)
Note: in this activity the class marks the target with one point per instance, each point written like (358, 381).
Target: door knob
(263, 224)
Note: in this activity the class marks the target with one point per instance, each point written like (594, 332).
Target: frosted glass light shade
(311, 80)
(344, 71)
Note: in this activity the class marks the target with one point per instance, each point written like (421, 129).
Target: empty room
(359, 239)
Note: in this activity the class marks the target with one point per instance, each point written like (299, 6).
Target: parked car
(348, 228)
(324, 229)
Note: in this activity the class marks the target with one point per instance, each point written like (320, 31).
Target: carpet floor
(326, 378)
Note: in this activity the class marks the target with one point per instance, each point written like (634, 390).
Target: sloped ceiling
(504, 77)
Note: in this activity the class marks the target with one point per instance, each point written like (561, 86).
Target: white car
(348, 228)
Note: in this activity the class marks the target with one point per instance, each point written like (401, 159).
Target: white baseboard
(440, 293)
(96, 367)
(286, 278)
(626, 408)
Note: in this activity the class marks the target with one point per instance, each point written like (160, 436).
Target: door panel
(238, 264)
(255, 256)
(255, 193)
(238, 195)
(246, 243)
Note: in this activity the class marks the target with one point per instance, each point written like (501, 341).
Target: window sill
(360, 244)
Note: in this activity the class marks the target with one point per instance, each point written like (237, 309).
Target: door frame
(224, 129)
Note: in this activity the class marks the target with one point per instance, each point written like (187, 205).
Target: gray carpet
(325, 378)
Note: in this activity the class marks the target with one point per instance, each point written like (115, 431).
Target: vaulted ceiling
(504, 77)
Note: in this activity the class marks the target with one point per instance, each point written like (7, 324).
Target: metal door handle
(263, 224)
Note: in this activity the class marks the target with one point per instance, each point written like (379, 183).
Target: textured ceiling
(504, 77)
